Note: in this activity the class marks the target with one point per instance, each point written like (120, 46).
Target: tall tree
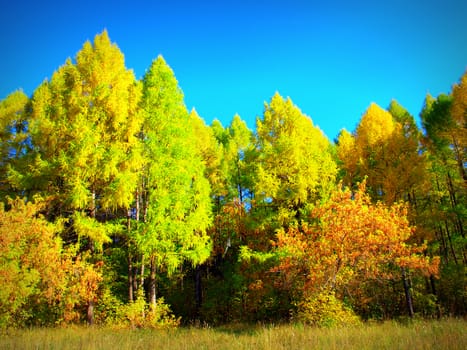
(212, 153)
(83, 127)
(294, 163)
(459, 117)
(83, 130)
(179, 204)
(445, 205)
(239, 151)
(383, 147)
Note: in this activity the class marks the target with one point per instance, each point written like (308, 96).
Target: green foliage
(91, 229)
(178, 213)
(247, 254)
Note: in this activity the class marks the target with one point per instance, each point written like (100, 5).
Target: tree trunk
(141, 283)
(90, 313)
(445, 251)
(433, 291)
(130, 258)
(408, 296)
(152, 284)
(198, 291)
(453, 252)
(135, 281)
(130, 278)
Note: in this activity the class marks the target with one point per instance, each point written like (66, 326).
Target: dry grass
(445, 334)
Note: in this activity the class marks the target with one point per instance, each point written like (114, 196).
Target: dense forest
(119, 206)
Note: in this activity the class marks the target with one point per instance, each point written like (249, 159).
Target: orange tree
(348, 241)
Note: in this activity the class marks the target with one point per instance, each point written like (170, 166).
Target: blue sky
(333, 58)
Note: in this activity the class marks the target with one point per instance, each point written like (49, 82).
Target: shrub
(325, 310)
(140, 314)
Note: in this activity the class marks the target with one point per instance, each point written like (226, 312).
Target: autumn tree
(83, 128)
(31, 265)
(212, 153)
(294, 163)
(382, 148)
(13, 135)
(292, 166)
(348, 241)
(459, 118)
(348, 158)
(178, 202)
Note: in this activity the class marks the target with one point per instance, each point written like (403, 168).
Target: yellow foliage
(375, 127)
(323, 309)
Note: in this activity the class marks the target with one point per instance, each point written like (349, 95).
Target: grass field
(445, 334)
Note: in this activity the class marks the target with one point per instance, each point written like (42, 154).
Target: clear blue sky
(333, 58)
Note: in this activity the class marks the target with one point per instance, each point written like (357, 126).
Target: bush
(140, 314)
(325, 310)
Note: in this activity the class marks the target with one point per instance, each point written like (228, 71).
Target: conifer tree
(384, 146)
(212, 153)
(86, 153)
(294, 162)
(239, 151)
(178, 194)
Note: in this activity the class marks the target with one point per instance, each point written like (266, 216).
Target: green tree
(239, 151)
(178, 194)
(445, 209)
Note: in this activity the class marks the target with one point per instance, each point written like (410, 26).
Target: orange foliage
(349, 239)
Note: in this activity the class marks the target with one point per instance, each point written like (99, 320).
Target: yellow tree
(212, 153)
(348, 158)
(385, 148)
(33, 267)
(294, 162)
(84, 127)
(12, 135)
(459, 117)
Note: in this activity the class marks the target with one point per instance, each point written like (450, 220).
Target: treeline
(122, 207)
